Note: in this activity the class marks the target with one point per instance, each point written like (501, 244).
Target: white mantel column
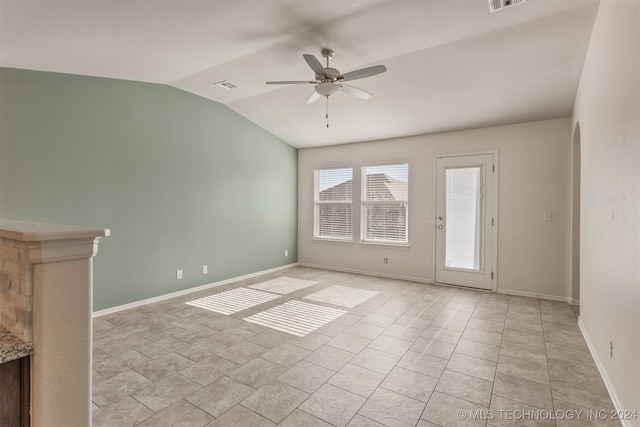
(62, 260)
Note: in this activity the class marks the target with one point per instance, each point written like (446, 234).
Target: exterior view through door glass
(464, 220)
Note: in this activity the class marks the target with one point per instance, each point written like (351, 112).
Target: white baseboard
(603, 373)
(535, 295)
(366, 273)
(187, 291)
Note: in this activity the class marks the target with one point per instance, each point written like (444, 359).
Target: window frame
(364, 204)
(317, 203)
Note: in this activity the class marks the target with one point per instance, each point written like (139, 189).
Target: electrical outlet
(179, 274)
(205, 269)
(286, 252)
(547, 216)
(386, 260)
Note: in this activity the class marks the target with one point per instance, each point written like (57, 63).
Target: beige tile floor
(412, 355)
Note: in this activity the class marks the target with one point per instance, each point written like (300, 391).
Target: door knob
(440, 227)
(439, 218)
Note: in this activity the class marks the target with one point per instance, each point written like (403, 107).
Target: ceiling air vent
(226, 85)
(496, 5)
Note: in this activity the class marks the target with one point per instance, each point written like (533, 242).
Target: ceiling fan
(328, 81)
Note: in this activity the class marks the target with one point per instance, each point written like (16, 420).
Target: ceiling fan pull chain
(327, 113)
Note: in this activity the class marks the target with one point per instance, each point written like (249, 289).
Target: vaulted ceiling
(451, 63)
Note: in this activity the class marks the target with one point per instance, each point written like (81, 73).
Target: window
(385, 199)
(333, 199)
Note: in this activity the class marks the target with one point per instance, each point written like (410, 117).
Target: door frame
(494, 229)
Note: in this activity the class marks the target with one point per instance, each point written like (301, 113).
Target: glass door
(464, 220)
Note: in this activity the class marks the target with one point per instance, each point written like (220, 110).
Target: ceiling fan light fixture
(327, 88)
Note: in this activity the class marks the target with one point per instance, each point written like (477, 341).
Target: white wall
(534, 176)
(607, 109)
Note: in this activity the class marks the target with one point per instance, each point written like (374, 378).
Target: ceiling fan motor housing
(328, 86)
(332, 73)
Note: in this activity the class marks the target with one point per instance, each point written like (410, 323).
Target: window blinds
(385, 199)
(333, 203)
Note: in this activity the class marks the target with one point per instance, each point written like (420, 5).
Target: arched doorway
(575, 216)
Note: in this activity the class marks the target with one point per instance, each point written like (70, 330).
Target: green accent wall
(180, 180)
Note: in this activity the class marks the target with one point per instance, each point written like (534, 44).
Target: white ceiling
(451, 64)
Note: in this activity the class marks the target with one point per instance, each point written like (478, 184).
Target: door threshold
(470, 288)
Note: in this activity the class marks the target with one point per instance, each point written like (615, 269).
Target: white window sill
(330, 240)
(395, 245)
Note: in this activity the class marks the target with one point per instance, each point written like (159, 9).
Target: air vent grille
(225, 84)
(496, 5)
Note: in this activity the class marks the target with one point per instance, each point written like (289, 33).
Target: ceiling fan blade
(315, 65)
(362, 73)
(290, 82)
(314, 97)
(354, 91)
